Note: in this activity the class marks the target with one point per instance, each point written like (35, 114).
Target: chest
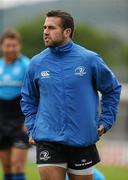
(14, 72)
(64, 72)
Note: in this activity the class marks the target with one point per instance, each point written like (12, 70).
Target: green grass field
(110, 172)
(114, 173)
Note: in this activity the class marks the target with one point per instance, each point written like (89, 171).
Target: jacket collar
(60, 50)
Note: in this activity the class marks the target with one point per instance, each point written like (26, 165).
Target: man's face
(53, 33)
(11, 48)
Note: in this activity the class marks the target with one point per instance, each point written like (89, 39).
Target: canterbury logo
(80, 71)
(45, 74)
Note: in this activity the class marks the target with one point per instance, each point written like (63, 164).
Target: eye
(44, 27)
(51, 27)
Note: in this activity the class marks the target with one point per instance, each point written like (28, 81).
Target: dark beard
(55, 44)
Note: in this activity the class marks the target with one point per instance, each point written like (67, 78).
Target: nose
(11, 49)
(46, 31)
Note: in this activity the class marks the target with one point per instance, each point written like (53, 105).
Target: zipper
(63, 86)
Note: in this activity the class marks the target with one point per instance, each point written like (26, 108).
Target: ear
(67, 32)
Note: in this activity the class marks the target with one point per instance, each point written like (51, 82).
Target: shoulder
(89, 55)
(38, 58)
(25, 60)
(82, 51)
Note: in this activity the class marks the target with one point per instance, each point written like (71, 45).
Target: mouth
(46, 39)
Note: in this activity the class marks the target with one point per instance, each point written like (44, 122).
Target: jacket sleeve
(110, 89)
(30, 99)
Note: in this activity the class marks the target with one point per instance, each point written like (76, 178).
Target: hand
(101, 130)
(24, 128)
(31, 141)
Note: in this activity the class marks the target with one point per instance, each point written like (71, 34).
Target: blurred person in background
(13, 138)
(60, 101)
(97, 175)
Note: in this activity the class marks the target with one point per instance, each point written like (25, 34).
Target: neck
(9, 60)
(63, 48)
(65, 42)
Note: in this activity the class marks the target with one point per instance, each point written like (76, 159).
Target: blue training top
(60, 96)
(11, 77)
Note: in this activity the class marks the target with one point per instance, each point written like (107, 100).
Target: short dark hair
(66, 18)
(10, 33)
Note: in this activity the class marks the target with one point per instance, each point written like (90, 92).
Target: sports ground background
(102, 26)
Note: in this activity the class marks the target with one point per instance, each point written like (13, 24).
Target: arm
(30, 99)
(109, 87)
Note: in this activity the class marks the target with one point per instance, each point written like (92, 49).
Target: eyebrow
(50, 26)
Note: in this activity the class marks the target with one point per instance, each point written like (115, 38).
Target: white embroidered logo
(45, 74)
(80, 71)
(44, 155)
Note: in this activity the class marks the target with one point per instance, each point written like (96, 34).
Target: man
(60, 102)
(13, 139)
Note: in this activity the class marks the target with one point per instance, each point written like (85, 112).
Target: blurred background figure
(97, 175)
(13, 139)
